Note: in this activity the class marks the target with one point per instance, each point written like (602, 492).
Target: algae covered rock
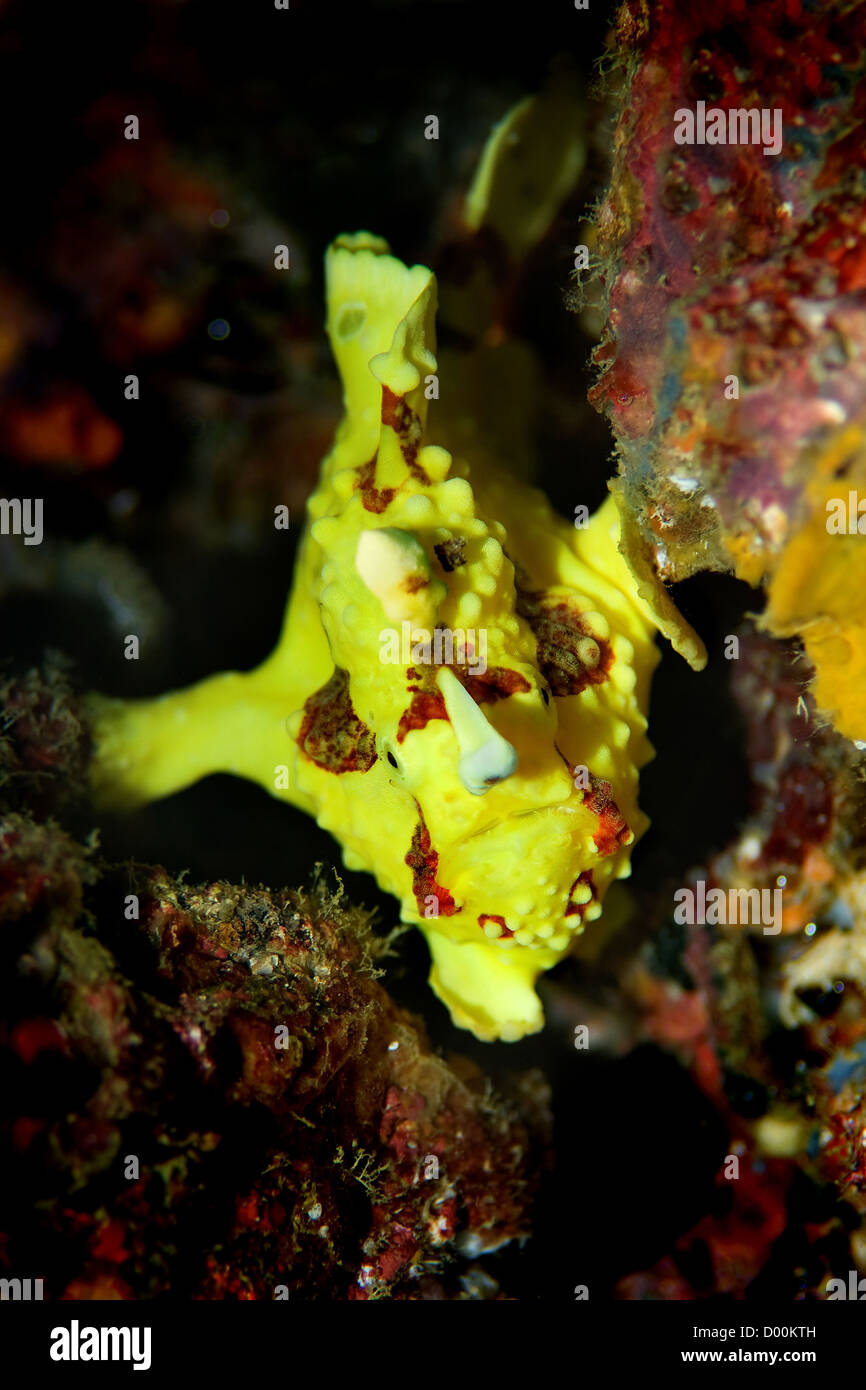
(732, 367)
(214, 1097)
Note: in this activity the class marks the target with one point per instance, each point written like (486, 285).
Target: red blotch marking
(500, 922)
(496, 684)
(613, 828)
(574, 909)
(423, 707)
(331, 734)
(374, 499)
(395, 412)
(400, 417)
(423, 860)
(427, 703)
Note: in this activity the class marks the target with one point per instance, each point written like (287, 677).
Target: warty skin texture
(501, 875)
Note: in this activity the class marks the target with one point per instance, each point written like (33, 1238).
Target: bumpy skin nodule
(500, 881)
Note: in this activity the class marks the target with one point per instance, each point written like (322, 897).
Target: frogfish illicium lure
(459, 691)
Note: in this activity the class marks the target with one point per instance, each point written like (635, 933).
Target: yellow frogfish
(459, 691)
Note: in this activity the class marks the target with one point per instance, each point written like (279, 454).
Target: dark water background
(322, 146)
